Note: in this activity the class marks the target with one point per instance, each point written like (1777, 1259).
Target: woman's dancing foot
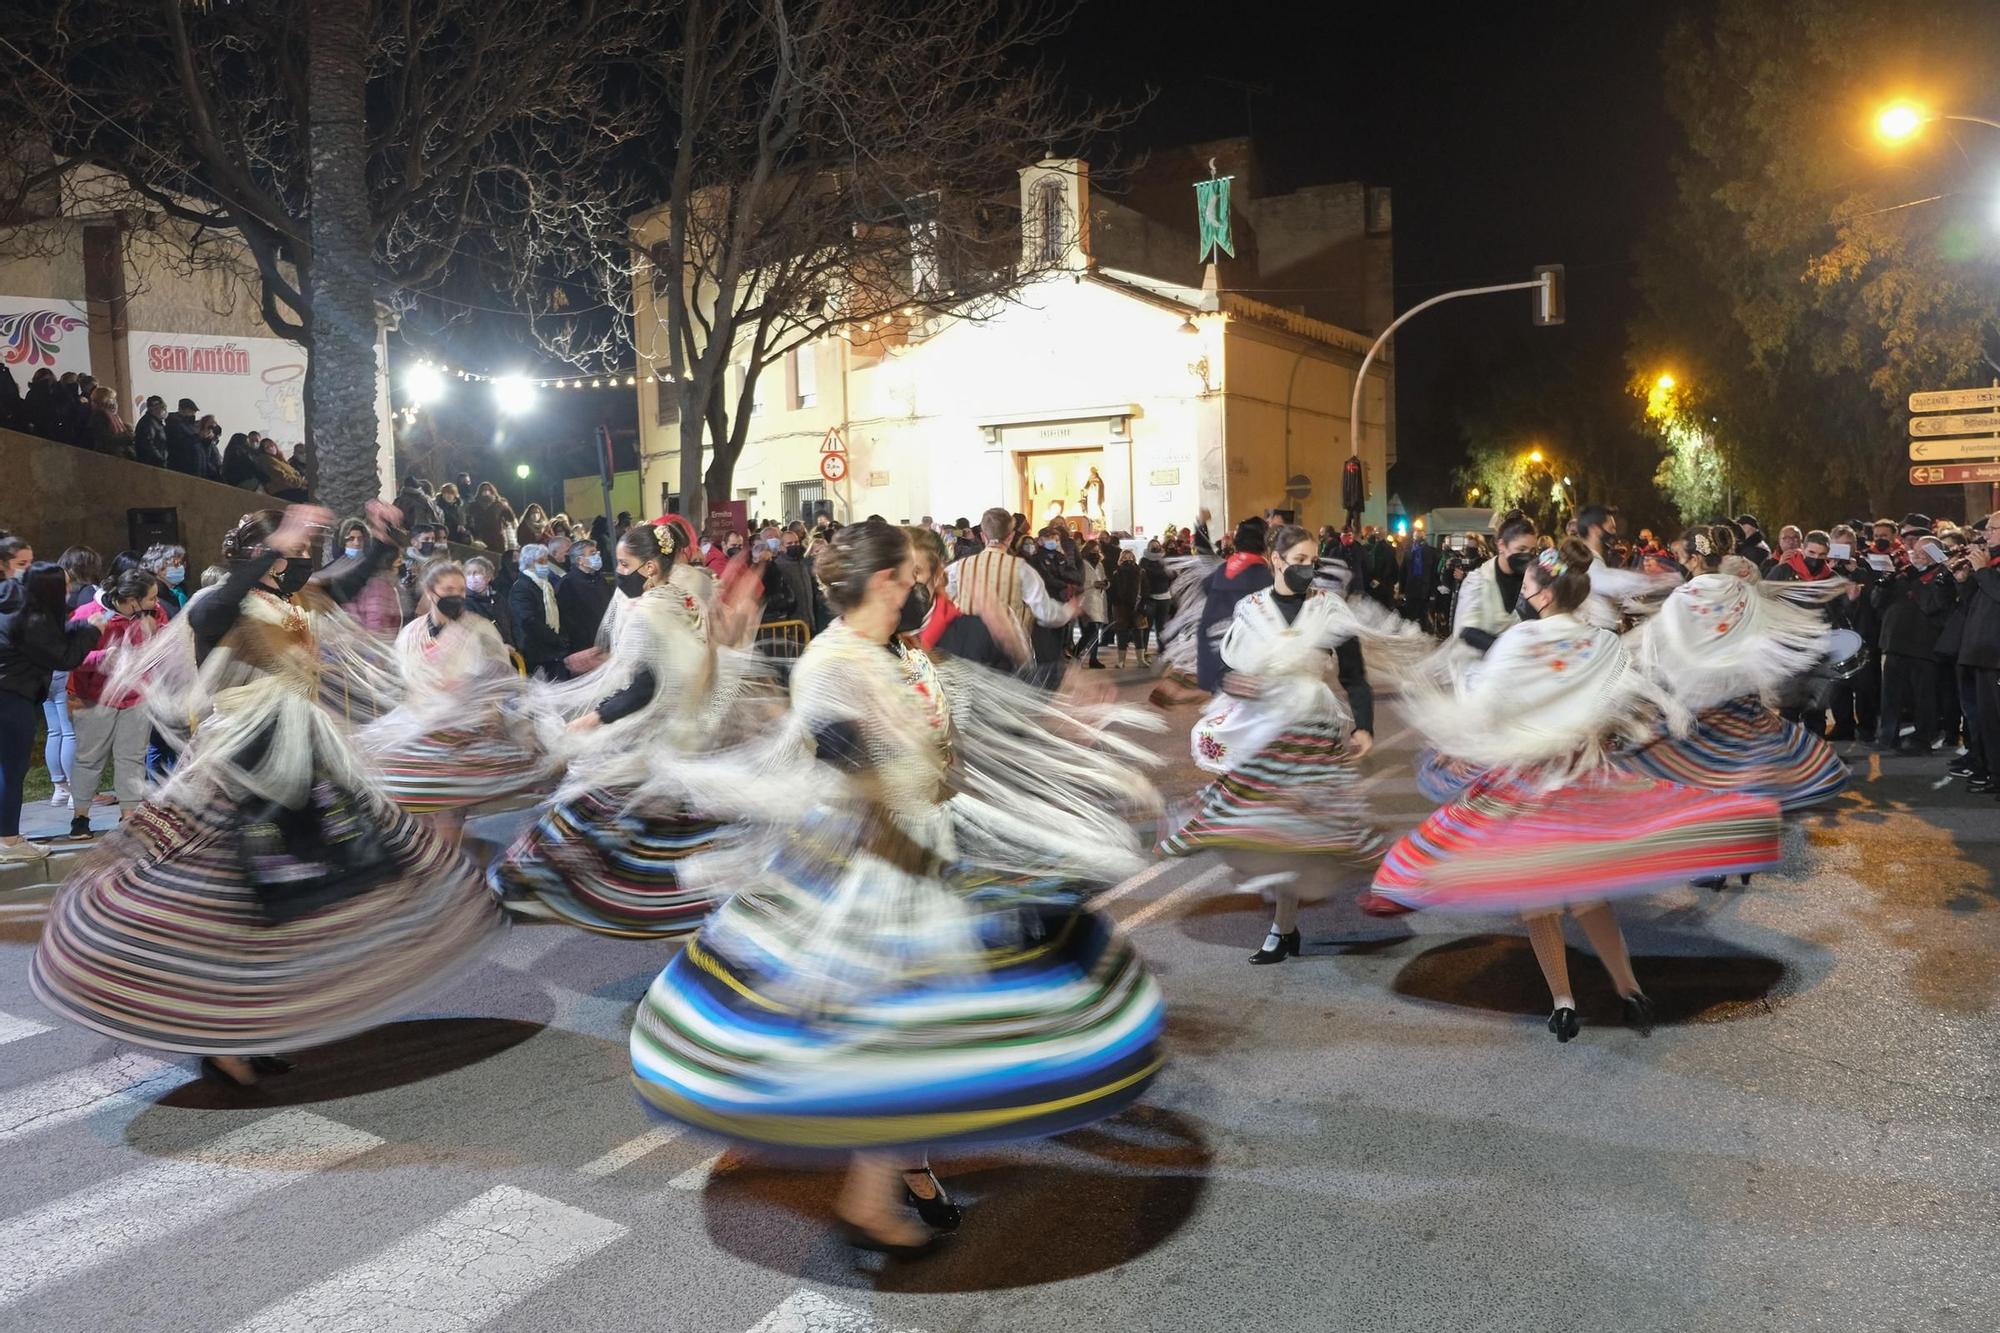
(1563, 1023)
(229, 1070)
(1715, 882)
(271, 1064)
(1277, 947)
(922, 1192)
(1638, 1012)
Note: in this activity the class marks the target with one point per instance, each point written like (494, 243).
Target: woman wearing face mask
(268, 897)
(482, 597)
(910, 968)
(533, 529)
(1094, 602)
(1156, 599)
(1722, 646)
(108, 726)
(1279, 741)
(377, 606)
(1490, 596)
(1552, 824)
(600, 855)
(37, 639)
(582, 598)
(537, 615)
(459, 738)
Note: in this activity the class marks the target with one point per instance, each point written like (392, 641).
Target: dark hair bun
(855, 554)
(250, 533)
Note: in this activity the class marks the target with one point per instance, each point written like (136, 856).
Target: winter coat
(34, 646)
(1127, 587)
(1981, 645)
(87, 678)
(184, 445)
(1914, 608)
(149, 440)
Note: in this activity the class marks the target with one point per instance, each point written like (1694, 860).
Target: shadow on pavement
(391, 1056)
(1690, 977)
(1080, 1204)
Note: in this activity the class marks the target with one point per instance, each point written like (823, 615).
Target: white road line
(82, 1092)
(807, 1311)
(631, 1151)
(95, 1225)
(697, 1176)
(13, 1029)
(524, 946)
(1138, 881)
(467, 1267)
(1162, 903)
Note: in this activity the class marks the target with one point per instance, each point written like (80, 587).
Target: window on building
(1051, 210)
(803, 499)
(802, 370)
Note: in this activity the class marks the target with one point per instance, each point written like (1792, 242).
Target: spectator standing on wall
(239, 463)
(451, 512)
(210, 431)
(149, 434)
(184, 439)
(104, 430)
(278, 477)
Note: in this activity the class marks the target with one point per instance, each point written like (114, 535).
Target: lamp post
(1899, 121)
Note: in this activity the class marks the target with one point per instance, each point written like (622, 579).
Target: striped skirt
(611, 869)
(1298, 794)
(1441, 778)
(453, 768)
(1042, 1022)
(1744, 746)
(161, 940)
(1505, 847)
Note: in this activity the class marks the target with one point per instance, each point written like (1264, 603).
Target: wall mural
(36, 332)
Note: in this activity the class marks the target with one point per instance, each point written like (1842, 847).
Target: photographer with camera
(1979, 655)
(1913, 604)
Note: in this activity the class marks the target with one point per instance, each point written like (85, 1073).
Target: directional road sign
(1971, 423)
(1954, 400)
(1955, 451)
(1956, 474)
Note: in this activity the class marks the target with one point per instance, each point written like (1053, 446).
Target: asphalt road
(1378, 1135)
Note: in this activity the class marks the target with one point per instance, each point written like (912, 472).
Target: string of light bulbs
(618, 379)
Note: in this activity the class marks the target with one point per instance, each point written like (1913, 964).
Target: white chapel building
(1130, 386)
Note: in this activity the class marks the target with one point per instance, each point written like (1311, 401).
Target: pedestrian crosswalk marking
(462, 1270)
(631, 1151)
(72, 1096)
(697, 1177)
(13, 1029)
(98, 1223)
(1138, 881)
(1161, 904)
(807, 1311)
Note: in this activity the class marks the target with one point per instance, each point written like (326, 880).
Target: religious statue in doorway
(1084, 505)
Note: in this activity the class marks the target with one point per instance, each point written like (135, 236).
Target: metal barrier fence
(783, 639)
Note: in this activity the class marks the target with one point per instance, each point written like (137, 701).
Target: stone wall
(59, 496)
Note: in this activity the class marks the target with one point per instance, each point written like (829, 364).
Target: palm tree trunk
(340, 403)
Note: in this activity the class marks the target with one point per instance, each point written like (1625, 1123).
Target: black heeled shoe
(1288, 947)
(271, 1064)
(1746, 879)
(1716, 882)
(1563, 1023)
(215, 1073)
(1638, 1012)
(862, 1239)
(938, 1212)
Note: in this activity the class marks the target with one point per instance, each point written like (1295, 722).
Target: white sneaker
(22, 853)
(61, 800)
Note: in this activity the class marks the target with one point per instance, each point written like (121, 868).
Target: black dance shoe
(1638, 1012)
(1287, 947)
(1716, 882)
(938, 1212)
(1963, 769)
(1983, 786)
(862, 1239)
(1563, 1023)
(271, 1064)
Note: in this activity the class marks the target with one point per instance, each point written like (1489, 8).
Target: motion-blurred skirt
(1441, 778)
(1744, 746)
(162, 941)
(1505, 847)
(452, 768)
(608, 868)
(1298, 794)
(1051, 1023)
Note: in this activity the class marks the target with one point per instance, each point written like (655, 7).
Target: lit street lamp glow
(1664, 382)
(1899, 121)
(424, 384)
(513, 395)
(1534, 455)
(522, 470)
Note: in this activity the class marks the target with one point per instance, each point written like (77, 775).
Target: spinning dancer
(1280, 745)
(1489, 601)
(600, 856)
(873, 988)
(1725, 643)
(268, 898)
(460, 737)
(1551, 824)
(1206, 592)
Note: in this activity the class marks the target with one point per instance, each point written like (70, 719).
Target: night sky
(1512, 134)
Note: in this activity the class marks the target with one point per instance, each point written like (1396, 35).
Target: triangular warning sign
(833, 444)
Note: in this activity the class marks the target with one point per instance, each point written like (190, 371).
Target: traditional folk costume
(909, 966)
(268, 897)
(1722, 646)
(1551, 821)
(600, 855)
(1180, 633)
(461, 736)
(1283, 782)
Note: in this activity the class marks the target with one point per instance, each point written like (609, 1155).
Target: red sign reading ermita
(1954, 474)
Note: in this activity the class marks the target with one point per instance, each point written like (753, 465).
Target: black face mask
(916, 609)
(297, 574)
(451, 608)
(791, 552)
(1525, 609)
(632, 584)
(1298, 578)
(1815, 567)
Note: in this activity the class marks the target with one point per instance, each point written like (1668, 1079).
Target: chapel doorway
(1066, 484)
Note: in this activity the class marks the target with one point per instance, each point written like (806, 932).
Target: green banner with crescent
(1211, 199)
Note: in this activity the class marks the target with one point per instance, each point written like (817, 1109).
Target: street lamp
(513, 395)
(1665, 382)
(523, 471)
(1534, 455)
(1898, 121)
(424, 384)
